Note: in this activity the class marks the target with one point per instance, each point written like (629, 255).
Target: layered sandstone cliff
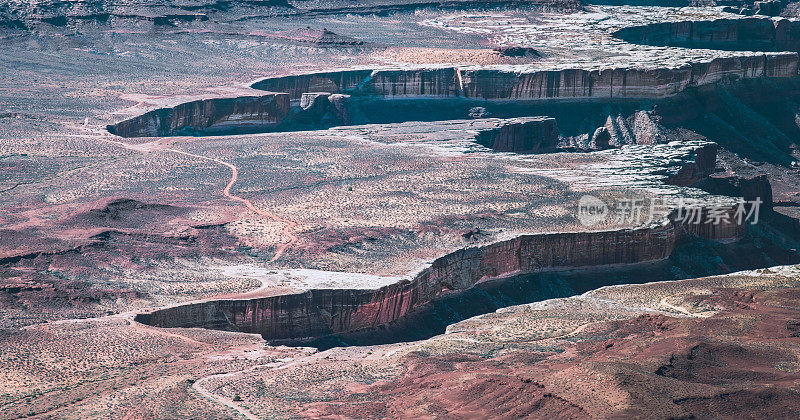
(754, 34)
(358, 96)
(244, 113)
(322, 312)
(518, 84)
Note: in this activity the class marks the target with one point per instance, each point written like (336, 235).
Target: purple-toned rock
(322, 37)
(601, 139)
(507, 84)
(321, 312)
(516, 51)
(208, 116)
(522, 135)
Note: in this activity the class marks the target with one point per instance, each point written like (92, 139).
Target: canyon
(511, 272)
(288, 209)
(318, 313)
(440, 93)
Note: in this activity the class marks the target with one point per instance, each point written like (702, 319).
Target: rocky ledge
(207, 116)
(511, 83)
(522, 135)
(744, 34)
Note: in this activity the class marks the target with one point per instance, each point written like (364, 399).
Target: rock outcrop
(601, 139)
(322, 37)
(516, 51)
(322, 312)
(753, 34)
(511, 84)
(241, 114)
(522, 135)
(768, 8)
(750, 188)
(700, 165)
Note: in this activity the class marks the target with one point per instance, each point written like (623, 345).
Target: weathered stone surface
(750, 188)
(522, 135)
(702, 165)
(318, 37)
(207, 116)
(757, 34)
(501, 84)
(323, 312)
(313, 99)
(478, 112)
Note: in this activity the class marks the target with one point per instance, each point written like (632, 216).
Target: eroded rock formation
(244, 113)
(500, 84)
(700, 165)
(755, 34)
(322, 312)
(322, 37)
(516, 51)
(522, 135)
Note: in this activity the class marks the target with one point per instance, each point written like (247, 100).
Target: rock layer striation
(207, 116)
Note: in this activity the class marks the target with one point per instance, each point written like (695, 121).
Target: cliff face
(750, 188)
(362, 96)
(702, 163)
(324, 311)
(513, 85)
(748, 34)
(522, 135)
(244, 113)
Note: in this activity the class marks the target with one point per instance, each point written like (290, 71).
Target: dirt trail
(663, 302)
(287, 232)
(289, 225)
(221, 399)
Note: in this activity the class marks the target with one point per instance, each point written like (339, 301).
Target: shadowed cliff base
(689, 260)
(755, 118)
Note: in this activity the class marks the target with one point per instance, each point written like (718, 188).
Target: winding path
(681, 310)
(289, 225)
(198, 386)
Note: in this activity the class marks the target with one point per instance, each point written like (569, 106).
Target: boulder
(601, 139)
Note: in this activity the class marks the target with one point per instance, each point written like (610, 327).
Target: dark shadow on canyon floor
(689, 260)
(754, 118)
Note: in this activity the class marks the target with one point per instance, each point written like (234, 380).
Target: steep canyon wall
(322, 312)
(244, 113)
(513, 84)
(522, 135)
(744, 34)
